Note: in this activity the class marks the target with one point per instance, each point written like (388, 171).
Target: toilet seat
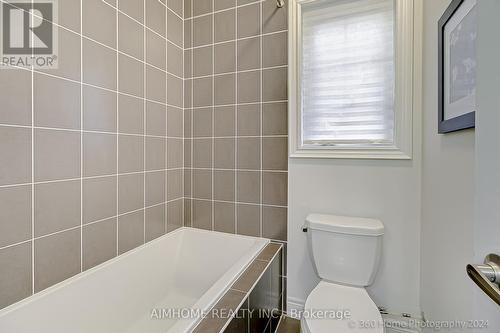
(330, 299)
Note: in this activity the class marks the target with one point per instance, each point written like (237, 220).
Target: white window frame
(405, 79)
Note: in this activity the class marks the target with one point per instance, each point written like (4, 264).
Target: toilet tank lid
(345, 224)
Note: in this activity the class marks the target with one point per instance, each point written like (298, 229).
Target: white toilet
(346, 254)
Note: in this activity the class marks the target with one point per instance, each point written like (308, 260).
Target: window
(351, 78)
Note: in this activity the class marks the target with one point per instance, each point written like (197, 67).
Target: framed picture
(457, 66)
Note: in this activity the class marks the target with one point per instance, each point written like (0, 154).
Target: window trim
(407, 78)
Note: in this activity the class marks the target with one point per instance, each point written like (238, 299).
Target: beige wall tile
(156, 50)
(99, 64)
(225, 25)
(203, 61)
(130, 153)
(224, 152)
(202, 30)
(275, 118)
(176, 6)
(99, 243)
(225, 121)
(99, 198)
(201, 7)
(175, 214)
(15, 85)
(57, 257)
(174, 28)
(274, 223)
(274, 188)
(130, 76)
(174, 151)
(202, 153)
(69, 14)
(248, 219)
(224, 216)
(16, 273)
(99, 154)
(225, 57)
(99, 22)
(274, 84)
(155, 187)
(225, 89)
(274, 19)
(15, 214)
(202, 184)
(156, 17)
(249, 87)
(202, 92)
(15, 153)
(133, 8)
(248, 20)
(202, 214)
(223, 4)
(155, 153)
(202, 122)
(175, 94)
(275, 153)
(155, 222)
(156, 85)
(130, 231)
(249, 53)
(57, 155)
(156, 119)
(175, 61)
(68, 56)
(56, 102)
(248, 186)
(174, 184)
(249, 153)
(130, 192)
(249, 119)
(130, 37)
(275, 49)
(57, 206)
(131, 115)
(99, 109)
(224, 185)
(174, 122)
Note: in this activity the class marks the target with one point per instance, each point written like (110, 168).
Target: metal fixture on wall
(280, 3)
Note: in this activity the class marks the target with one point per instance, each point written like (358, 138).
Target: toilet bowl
(350, 309)
(346, 254)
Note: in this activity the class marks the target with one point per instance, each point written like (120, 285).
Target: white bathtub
(188, 268)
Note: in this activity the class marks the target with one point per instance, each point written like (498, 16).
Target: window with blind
(347, 89)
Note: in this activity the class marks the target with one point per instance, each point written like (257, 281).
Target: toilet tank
(344, 249)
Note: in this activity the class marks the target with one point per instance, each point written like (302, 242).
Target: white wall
(447, 196)
(389, 190)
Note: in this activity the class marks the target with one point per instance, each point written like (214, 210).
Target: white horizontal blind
(347, 72)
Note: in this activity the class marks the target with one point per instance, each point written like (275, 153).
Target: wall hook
(280, 3)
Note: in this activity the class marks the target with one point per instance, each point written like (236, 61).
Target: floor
(288, 325)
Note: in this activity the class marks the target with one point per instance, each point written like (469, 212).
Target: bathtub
(185, 269)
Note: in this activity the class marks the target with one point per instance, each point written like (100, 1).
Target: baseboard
(294, 307)
(392, 323)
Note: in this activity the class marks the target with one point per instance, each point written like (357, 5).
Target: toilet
(346, 254)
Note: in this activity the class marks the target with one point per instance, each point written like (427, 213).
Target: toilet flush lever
(487, 276)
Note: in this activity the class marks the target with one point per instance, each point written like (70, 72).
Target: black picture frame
(464, 121)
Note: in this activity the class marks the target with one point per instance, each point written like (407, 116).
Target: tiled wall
(91, 154)
(236, 117)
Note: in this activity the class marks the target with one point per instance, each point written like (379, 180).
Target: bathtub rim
(45, 292)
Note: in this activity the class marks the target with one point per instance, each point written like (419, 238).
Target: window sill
(364, 154)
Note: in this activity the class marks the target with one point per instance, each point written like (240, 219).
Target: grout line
(213, 117)
(242, 71)
(236, 123)
(32, 180)
(144, 128)
(117, 138)
(192, 118)
(261, 122)
(165, 208)
(238, 39)
(81, 138)
(256, 2)
(183, 121)
(242, 203)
